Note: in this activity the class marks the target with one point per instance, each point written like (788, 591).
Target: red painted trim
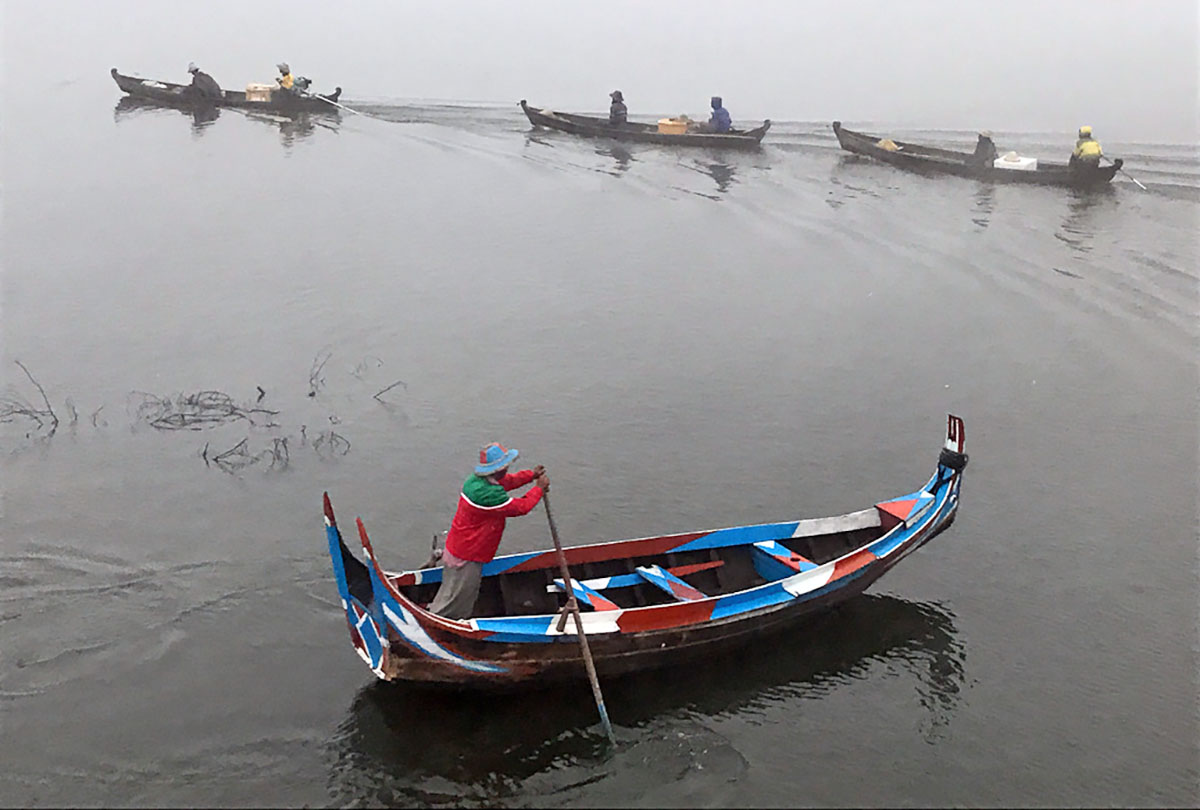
(685, 591)
(602, 552)
(658, 618)
(852, 564)
(600, 603)
(898, 509)
(887, 521)
(355, 638)
(684, 570)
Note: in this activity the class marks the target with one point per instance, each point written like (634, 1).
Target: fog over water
(687, 338)
(1126, 67)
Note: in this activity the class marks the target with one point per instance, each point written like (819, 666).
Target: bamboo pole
(572, 607)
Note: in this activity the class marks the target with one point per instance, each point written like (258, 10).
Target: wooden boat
(931, 160)
(646, 603)
(593, 127)
(176, 95)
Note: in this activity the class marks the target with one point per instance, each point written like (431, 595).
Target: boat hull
(401, 641)
(617, 656)
(931, 160)
(592, 127)
(178, 95)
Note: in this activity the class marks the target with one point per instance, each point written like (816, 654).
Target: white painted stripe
(463, 495)
(413, 632)
(862, 519)
(600, 621)
(809, 580)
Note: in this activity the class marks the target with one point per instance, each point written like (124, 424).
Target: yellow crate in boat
(259, 92)
(672, 126)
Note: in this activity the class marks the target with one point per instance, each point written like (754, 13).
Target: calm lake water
(686, 339)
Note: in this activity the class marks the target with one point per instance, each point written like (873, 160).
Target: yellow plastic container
(259, 92)
(672, 126)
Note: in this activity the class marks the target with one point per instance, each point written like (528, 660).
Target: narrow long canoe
(932, 160)
(647, 603)
(175, 95)
(593, 127)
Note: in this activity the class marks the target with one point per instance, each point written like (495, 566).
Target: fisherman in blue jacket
(720, 121)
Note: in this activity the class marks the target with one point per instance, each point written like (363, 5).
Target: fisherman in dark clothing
(617, 111)
(719, 122)
(985, 151)
(203, 85)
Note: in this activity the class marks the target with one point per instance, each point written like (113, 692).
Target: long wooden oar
(1127, 174)
(572, 607)
(307, 94)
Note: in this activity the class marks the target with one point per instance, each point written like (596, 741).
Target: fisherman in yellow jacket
(1087, 152)
(285, 77)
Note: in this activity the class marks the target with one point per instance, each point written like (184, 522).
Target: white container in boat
(258, 92)
(1016, 162)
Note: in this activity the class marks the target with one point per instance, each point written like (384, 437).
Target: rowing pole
(340, 106)
(1127, 174)
(572, 607)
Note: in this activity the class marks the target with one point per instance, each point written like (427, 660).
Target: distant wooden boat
(593, 127)
(931, 160)
(179, 95)
(647, 603)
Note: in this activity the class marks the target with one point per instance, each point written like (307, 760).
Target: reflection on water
(1080, 225)
(406, 744)
(721, 174)
(292, 127)
(985, 204)
(202, 116)
(620, 153)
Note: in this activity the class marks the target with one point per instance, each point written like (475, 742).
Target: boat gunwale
(917, 156)
(470, 629)
(594, 126)
(171, 94)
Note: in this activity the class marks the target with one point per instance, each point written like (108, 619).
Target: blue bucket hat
(495, 457)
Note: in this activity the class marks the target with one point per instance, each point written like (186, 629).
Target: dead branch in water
(197, 411)
(401, 383)
(330, 443)
(315, 380)
(279, 453)
(16, 405)
(239, 457)
(361, 368)
(234, 459)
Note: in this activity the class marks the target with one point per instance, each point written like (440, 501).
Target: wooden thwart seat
(666, 581)
(774, 561)
(587, 591)
(587, 595)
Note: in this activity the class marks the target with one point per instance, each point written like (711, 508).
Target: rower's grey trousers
(460, 588)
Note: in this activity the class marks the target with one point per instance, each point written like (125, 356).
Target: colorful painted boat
(932, 160)
(591, 126)
(647, 603)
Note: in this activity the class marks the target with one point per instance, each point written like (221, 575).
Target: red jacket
(483, 507)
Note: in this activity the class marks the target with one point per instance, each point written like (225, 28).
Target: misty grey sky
(1129, 68)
